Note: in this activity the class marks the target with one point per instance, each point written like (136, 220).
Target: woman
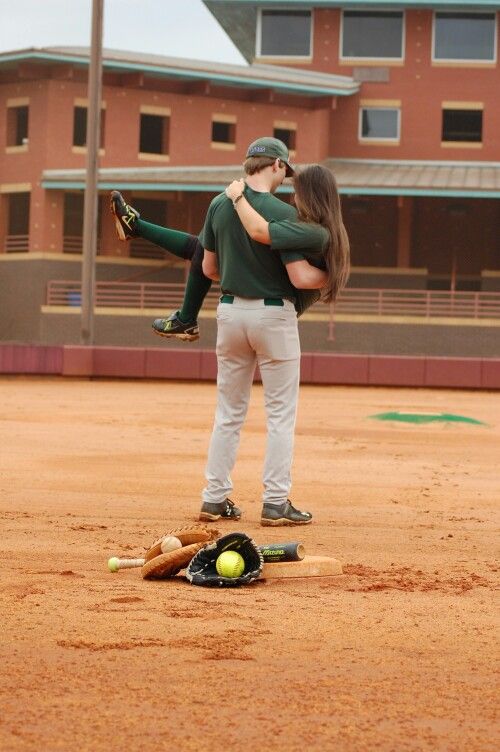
(319, 232)
(318, 236)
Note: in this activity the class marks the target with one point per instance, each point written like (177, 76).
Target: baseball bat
(114, 564)
(274, 552)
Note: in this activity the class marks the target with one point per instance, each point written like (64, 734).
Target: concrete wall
(316, 368)
(490, 281)
(388, 278)
(23, 283)
(349, 337)
(23, 286)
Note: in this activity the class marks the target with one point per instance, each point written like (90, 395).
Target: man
(256, 324)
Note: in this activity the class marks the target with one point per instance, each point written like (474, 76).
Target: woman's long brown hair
(317, 200)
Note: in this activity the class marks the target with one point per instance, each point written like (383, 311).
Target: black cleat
(174, 327)
(226, 509)
(125, 217)
(283, 514)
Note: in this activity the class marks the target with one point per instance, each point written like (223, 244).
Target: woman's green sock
(177, 243)
(173, 241)
(197, 286)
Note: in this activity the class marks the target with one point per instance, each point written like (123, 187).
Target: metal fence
(353, 301)
(124, 294)
(421, 303)
(17, 243)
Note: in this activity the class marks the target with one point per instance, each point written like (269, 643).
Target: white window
(464, 36)
(371, 35)
(379, 123)
(284, 33)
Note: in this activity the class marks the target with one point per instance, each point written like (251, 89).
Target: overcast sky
(179, 28)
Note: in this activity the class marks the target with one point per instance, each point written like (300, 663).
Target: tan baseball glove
(175, 549)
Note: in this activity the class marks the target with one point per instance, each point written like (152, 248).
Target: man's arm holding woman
(302, 274)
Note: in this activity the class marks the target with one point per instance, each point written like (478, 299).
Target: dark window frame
(373, 12)
(17, 131)
(454, 136)
(302, 11)
(18, 213)
(80, 126)
(231, 132)
(73, 207)
(163, 133)
(291, 143)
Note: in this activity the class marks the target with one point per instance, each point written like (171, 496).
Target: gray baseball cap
(271, 147)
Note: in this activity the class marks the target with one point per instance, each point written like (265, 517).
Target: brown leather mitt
(182, 543)
(168, 565)
(186, 535)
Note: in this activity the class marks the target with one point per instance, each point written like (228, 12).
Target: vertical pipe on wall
(91, 186)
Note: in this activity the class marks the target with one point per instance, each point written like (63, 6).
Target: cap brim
(290, 171)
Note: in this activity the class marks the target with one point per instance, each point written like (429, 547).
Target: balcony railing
(124, 294)
(72, 244)
(17, 243)
(426, 303)
(353, 301)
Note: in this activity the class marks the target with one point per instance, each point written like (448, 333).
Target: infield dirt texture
(396, 654)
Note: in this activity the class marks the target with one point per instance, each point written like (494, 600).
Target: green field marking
(420, 417)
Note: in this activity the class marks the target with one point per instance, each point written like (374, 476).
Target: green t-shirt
(304, 240)
(247, 268)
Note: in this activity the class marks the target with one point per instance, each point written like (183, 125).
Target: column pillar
(46, 220)
(405, 214)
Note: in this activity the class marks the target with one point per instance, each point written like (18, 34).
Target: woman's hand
(235, 189)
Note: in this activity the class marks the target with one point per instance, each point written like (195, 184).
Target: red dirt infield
(396, 654)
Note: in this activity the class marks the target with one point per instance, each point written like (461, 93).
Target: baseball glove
(159, 565)
(202, 567)
(186, 535)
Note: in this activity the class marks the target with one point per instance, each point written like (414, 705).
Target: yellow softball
(230, 564)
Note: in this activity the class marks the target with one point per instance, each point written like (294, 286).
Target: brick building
(400, 99)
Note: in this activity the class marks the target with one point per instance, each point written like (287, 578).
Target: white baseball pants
(250, 332)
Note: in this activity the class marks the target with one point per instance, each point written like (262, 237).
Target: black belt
(267, 301)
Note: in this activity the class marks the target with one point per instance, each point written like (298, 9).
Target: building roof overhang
(378, 4)
(257, 77)
(356, 177)
(238, 18)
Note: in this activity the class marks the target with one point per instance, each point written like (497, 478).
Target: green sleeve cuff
(288, 256)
